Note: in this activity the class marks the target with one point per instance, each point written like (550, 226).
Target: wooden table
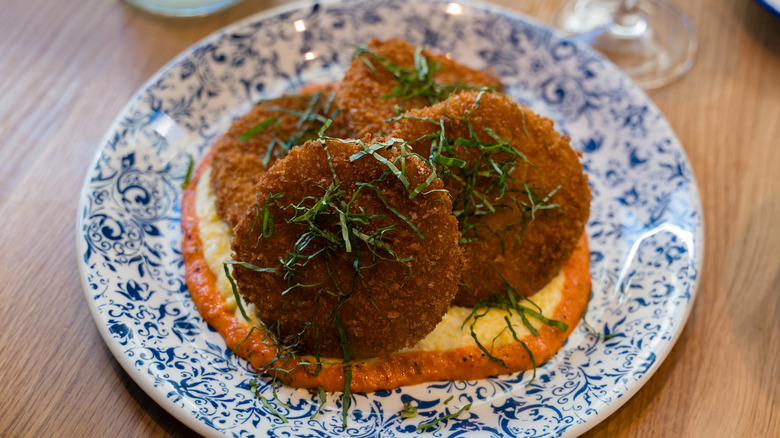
(67, 68)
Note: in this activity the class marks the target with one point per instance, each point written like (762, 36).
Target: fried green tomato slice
(518, 188)
(391, 74)
(336, 244)
(262, 136)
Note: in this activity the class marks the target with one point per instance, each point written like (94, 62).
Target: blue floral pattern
(645, 229)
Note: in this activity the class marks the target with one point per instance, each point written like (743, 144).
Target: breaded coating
(406, 277)
(239, 163)
(364, 91)
(528, 238)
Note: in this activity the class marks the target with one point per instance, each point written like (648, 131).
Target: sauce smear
(384, 373)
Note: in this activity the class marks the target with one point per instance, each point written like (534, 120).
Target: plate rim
(197, 425)
(770, 6)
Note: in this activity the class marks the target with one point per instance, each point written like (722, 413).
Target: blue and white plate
(772, 6)
(645, 228)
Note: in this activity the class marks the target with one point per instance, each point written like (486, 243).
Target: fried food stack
(361, 211)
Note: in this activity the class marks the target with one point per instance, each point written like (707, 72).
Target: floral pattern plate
(645, 228)
(772, 6)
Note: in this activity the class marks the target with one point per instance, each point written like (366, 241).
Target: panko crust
(387, 318)
(238, 164)
(361, 91)
(549, 239)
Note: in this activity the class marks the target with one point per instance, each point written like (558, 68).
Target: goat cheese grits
(408, 224)
(448, 352)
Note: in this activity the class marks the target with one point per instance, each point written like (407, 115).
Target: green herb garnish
(484, 179)
(408, 411)
(318, 113)
(233, 352)
(510, 302)
(412, 82)
(257, 129)
(323, 400)
(188, 175)
(333, 228)
(527, 350)
(425, 426)
(347, 369)
(592, 330)
(235, 291)
(264, 401)
(267, 222)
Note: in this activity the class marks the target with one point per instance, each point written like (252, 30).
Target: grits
(468, 342)
(450, 334)
(426, 362)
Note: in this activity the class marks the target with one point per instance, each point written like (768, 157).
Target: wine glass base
(654, 46)
(182, 8)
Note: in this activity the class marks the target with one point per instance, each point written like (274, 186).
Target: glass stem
(629, 21)
(627, 6)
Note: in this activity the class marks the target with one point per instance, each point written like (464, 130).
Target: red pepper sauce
(384, 373)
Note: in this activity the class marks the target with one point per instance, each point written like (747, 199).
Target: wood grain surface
(68, 67)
